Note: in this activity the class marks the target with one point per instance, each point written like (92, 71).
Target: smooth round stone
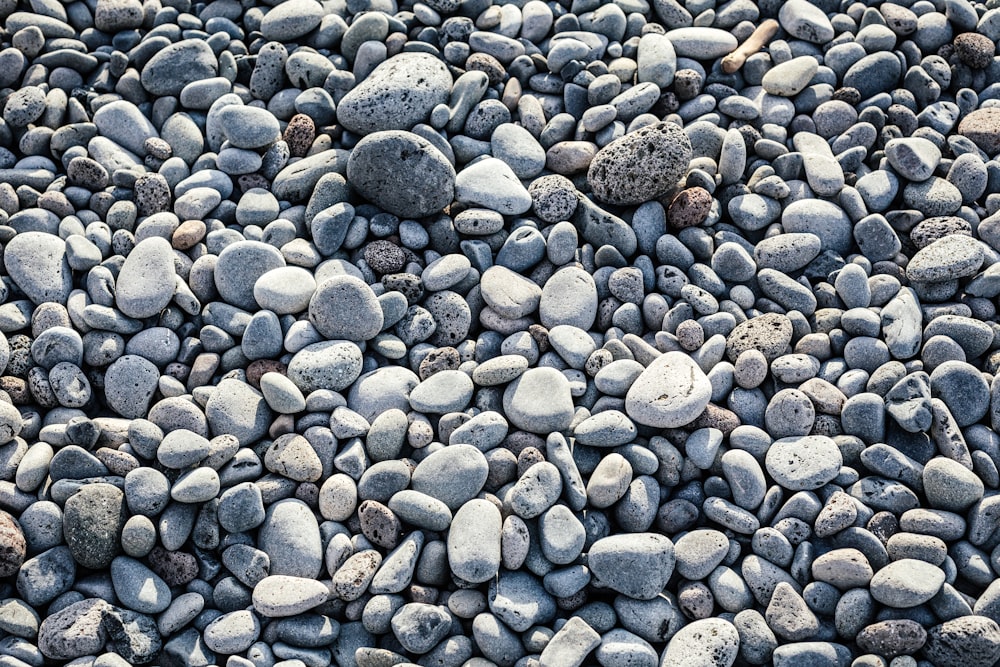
(963, 389)
(791, 77)
(285, 290)
(279, 596)
(291, 539)
(948, 258)
(238, 409)
(474, 541)
(345, 307)
(453, 475)
(843, 568)
(398, 94)
(787, 252)
(37, 264)
(569, 297)
(539, 401)
(609, 481)
(182, 448)
(671, 392)
(138, 588)
(641, 165)
(950, 486)
(290, 20)
(906, 583)
(232, 633)
(637, 565)
(196, 486)
(702, 43)
(251, 127)
(875, 73)
(443, 392)
(824, 219)
(803, 462)
(709, 641)
(401, 173)
(699, 552)
(145, 283)
(177, 65)
(518, 149)
(130, 383)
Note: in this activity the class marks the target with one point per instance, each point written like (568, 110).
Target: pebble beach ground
(645, 333)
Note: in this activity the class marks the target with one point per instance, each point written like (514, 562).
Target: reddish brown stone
(12, 545)
(689, 208)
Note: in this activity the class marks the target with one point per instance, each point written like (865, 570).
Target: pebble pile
(533, 334)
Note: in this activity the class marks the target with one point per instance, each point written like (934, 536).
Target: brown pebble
(12, 545)
(437, 360)
(118, 463)
(689, 208)
(299, 135)
(256, 369)
(528, 457)
(717, 417)
(983, 127)
(188, 234)
(484, 62)
(16, 388)
(974, 49)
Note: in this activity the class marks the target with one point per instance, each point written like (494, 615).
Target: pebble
(398, 94)
(671, 392)
(402, 173)
(640, 166)
(339, 334)
(906, 583)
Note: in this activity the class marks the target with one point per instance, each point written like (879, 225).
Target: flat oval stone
(982, 126)
(401, 173)
(453, 475)
(951, 257)
(281, 595)
(138, 588)
(803, 462)
(145, 284)
(238, 409)
(398, 94)
(638, 565)
(330, 364)
(37, 264)
(702, 43)
(290, 537)
(474, 541)
(671, 392)
(289, 20)
(641, 165)
(906, 583)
